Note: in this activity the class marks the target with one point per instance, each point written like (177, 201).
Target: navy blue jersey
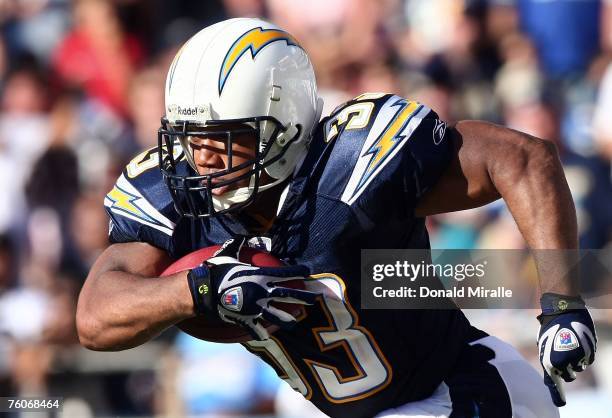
(368, 165)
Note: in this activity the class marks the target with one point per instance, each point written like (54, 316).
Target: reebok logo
(438, 132)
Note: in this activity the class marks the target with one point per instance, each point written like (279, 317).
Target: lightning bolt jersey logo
(390, 138)
(392, 128)
(125, 200)
(254, 40)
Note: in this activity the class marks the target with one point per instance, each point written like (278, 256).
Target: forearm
(123, 303)
(528, 174)
(119, 310)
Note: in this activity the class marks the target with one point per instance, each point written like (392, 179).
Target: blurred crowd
(81, 92)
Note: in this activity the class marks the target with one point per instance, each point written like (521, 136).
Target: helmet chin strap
(232, 197)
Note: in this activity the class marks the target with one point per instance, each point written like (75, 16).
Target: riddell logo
(197, 112)
(188, 111)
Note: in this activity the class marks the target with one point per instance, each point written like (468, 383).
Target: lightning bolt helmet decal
(253, 40)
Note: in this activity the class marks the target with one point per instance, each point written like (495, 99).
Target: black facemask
(192, 192)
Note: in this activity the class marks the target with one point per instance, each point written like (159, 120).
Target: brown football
(214, 329)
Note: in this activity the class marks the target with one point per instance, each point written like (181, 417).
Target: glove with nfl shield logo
(567, 341)
(241, 293)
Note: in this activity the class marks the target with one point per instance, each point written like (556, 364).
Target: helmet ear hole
(284, 150)
(287, 135)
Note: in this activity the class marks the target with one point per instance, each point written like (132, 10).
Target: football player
(243, 151)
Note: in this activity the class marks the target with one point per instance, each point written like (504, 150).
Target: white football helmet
(244, 72)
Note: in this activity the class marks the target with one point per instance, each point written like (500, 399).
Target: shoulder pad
(140, 205)
(368, 131)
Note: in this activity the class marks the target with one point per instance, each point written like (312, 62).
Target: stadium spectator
(97, 55)
(566, 33)
(602, 126)
(147, 86)
(24, 135)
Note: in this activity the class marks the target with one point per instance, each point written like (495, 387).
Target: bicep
(466, 183)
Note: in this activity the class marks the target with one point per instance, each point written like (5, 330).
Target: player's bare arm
(123, 304)
(493, 161)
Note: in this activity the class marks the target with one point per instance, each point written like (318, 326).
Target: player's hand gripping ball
(241, 293)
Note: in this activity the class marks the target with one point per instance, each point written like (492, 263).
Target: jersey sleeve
(431, 150)
(394, 147)
(139, 205)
